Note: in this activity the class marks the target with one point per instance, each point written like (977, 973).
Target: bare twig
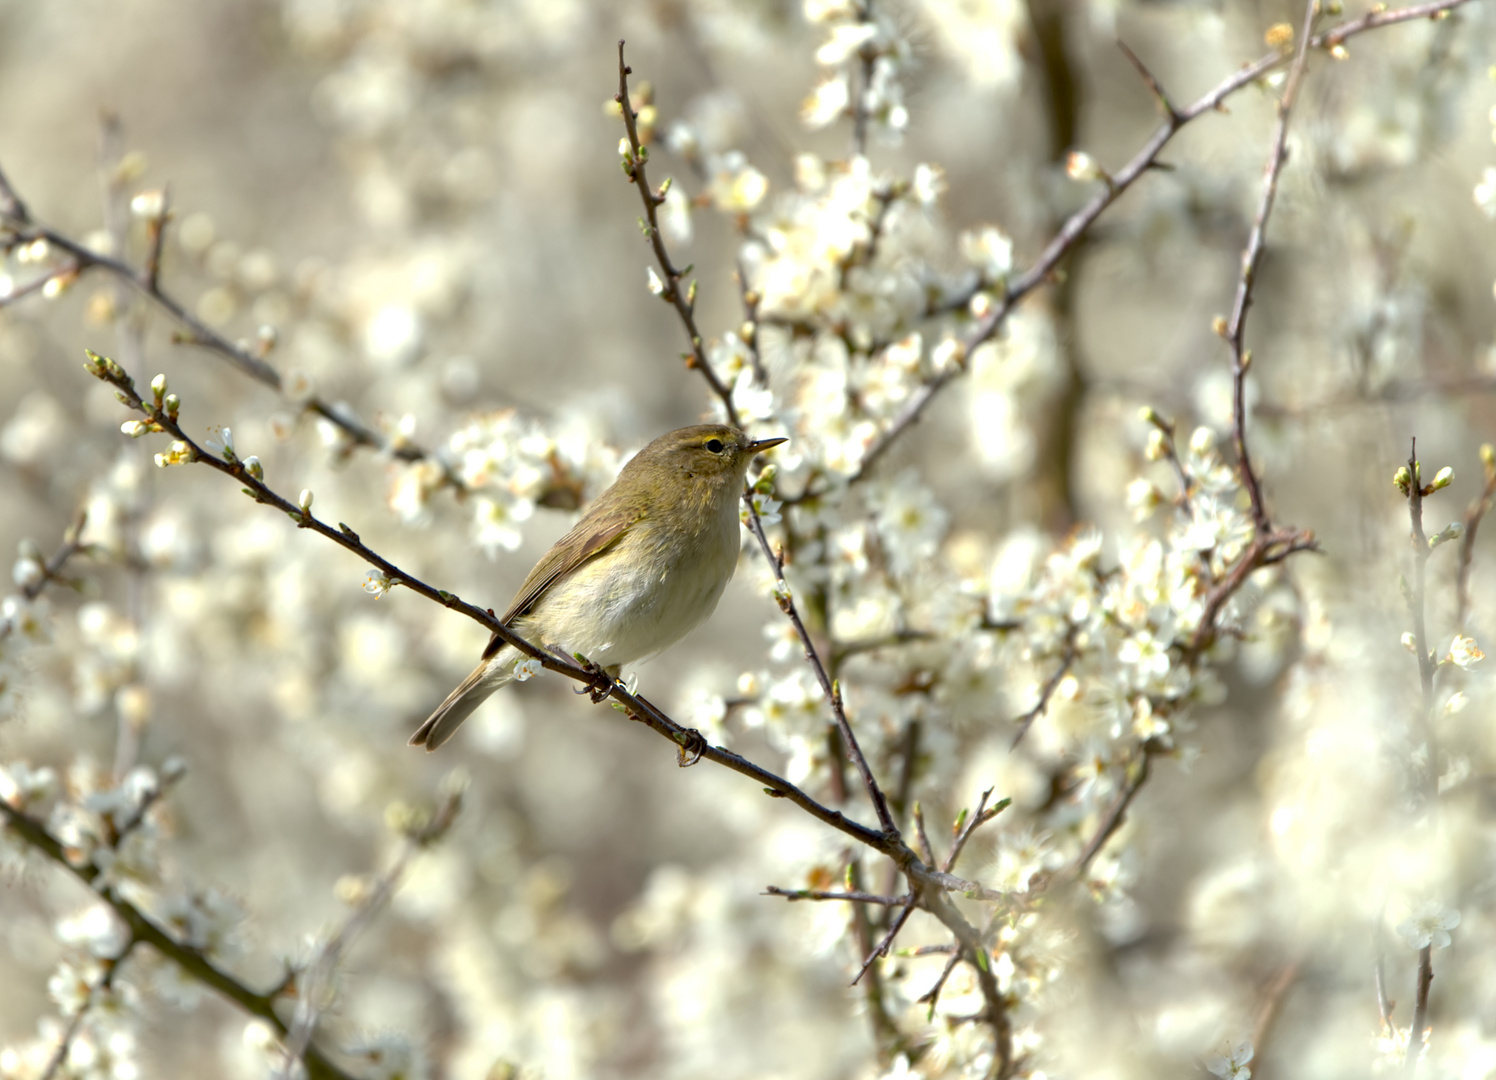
(52, 568)
(1416, 1033)
(1067, 659)
(1385, 1004)
(1378, 17)
(1477, 510)
(966, 825)
(1118, 812)
(683, 300)
(921, 836)
(1236, 323)
(882, 947)
(852, 896)
(860, 94)
(1271, 1007)
(751, 299)
(832, 689)
(846, 650)
(1416, 597)
(11, 206)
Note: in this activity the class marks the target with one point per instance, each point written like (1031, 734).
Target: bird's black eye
(714, 445)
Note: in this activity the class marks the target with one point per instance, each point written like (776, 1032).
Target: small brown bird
(644, 567)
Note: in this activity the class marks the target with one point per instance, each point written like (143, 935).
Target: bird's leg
(602, 682)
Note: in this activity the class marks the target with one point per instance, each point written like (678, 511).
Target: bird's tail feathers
(460, 703)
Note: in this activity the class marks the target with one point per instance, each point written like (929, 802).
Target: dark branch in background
(866, 59)
(1416, 598)
(1067, 659)
(51, 570)
(22, 228)
(684, 303)
(880, 950)
(1420, 1007)
(1410, 480)
(965, 825)
(822, 894)
(1236, 325)
(1270, 1008)
(1118, 812)
(1079, 223)
(1478, 509)
(142, 929)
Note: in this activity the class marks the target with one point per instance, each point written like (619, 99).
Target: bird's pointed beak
(763, 444)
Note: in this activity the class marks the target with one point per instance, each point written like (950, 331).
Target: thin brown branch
(1266, 549)
(921, 836)
(970, 824)
(1478, 509)
(1271, 1007)
(882, 948)
(751, 300)
(1385, 1004)
(36, 285)
(908, 758)
(156, 237)
(52, 568)
(1417, 598)
(1236, 323)
(1067, 660)
(854, 896)
(12, 209)
(932, 995)
(866, 58)
(885, 1030)
(1379, 17)
(683, 300)
(1171, 452)
(1417, 1033)
(1154, 87)
(1118, 811)
(840, 653)
(831, 688)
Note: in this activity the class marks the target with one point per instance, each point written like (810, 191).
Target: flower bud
(149, 204)
(305, 501)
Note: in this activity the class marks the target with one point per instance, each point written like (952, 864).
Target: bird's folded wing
(599, 530)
